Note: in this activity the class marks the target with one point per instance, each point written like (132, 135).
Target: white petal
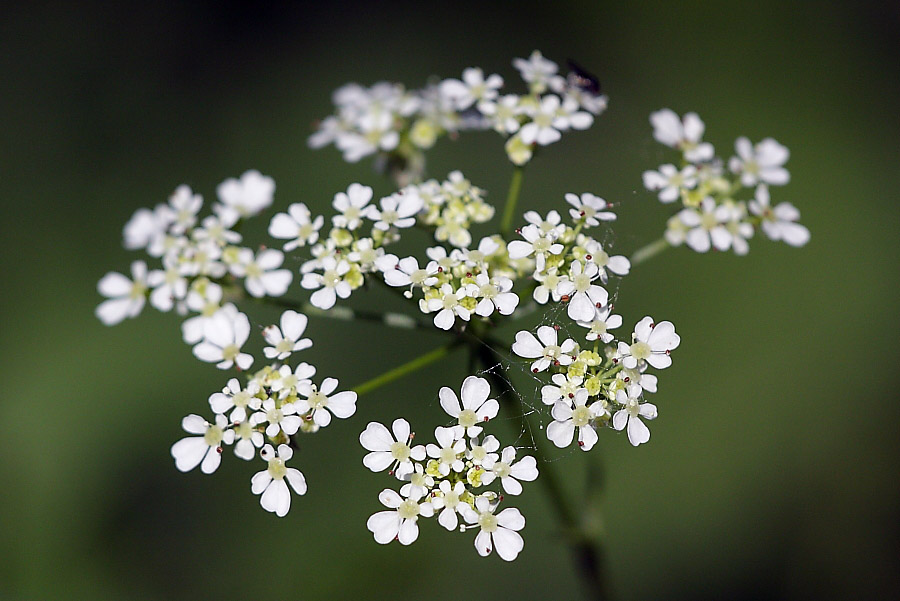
(384, 525)
(508, 543)
(474, 392)
(409, 532)
(189, 452)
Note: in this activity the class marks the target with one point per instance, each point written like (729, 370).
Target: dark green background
(773, 468)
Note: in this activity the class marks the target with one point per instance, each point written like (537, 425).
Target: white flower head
(169, 286)
(669, 181)
(651, 342)
(631, 413)
(510, 471)
(330, 283)
(272, 482)
(450, 450)
(126, 297)
(400, 521)
(244, 198)
(498, 531)
(398, 210)
(448, 307)
(603, 321)
(223, 336)
(321, 402)
(539, 72)
(779, 222)
(353, 206)
(569, 414)
(589, 207)
(237, 399)
(390, 448)
(261, 273)
(473, 88)
(585, 297)
(407, 273)
(685, 135)
(546, 123)
(763, 162)
(296, 227)
(476, 408)
(536, 243)
(494, 292)
(448, 501)
(286, 339)
(287, 381)
(204, 450)
(545, 348)
(280, 418)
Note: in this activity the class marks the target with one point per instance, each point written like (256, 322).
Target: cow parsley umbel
(595, 376)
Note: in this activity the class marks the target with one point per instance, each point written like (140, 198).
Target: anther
(599, 305)
(534, 370)
(564, 298)
(580, 443)
(556, 327)
(588, 257)
(627, 379)
(571, 395)
(218, 449)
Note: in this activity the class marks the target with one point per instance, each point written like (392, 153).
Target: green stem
(407, 368)
(648, 252)
(584, 545)
(509, 209)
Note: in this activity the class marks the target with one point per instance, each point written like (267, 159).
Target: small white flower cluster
(198, 257)
(398, 125)
(277, 403)
(713, 215)
(350, 251)
(450, 478)
(451, 207)
(602, 386)
(393, 123)
(458, 284)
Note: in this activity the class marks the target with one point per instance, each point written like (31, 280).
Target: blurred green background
(773, 469)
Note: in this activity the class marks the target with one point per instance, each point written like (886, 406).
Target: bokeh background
(773, 469)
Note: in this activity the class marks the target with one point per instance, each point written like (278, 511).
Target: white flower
(126, 297)
(548, 283)
(146, 228)
(651, 342)
(544, 348)
(778, 223)
(636, 376)
(550, 226)
(214, 230)
(270, 482)
(353, 205)
(330, 283)
(565, 387)
(418, 483)
(493, 292)
(706, 227)
(585, 297)
(476, 407)
(234, 396)
(603, 321)
(397, 210)
(204, 297)
(390, 450)
(670, 181)
(184, 205)
(261, 273)
(546, 123)
(168, 286)
(400, 522)
(500, 531)
(589, 207)
(538, 71)
(631, 415)
(245, 197)
(669, 129)
(510, 471)
(503, 114)
(448, 307)
(449, 504)
(738, 228)
(760, 163)
(408, 273)
(288, 381)
(296, 227)
(286, 339)
(473, 88)
(569, 414)
(283, 418)
(535, 243)
(317, 399)
(204, 450)
(376, 133)
(366, 256)
(452, 448)
(247, 440)
(223, 336)
(617, 264)
(478, 257)
(485, 452)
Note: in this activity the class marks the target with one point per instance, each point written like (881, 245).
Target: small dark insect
(581, 79)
